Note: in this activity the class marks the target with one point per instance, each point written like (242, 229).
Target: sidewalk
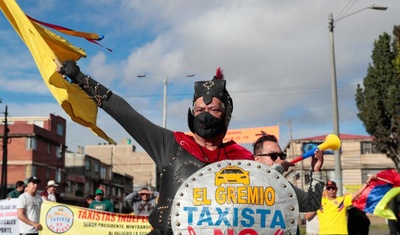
(378, 225)
(378, 230)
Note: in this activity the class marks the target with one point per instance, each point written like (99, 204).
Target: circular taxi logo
(235, 197)
(59, 219)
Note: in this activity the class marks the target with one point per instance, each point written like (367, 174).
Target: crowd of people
(178, 156)
(29, 202)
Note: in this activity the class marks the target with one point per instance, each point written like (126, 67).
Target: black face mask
(207, 126)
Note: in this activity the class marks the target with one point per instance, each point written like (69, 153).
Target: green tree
(378, 100)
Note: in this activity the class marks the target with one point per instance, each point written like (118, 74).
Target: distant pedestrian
(394, 225)
(142, 202)
(19, 189)
(50, 193)
(89, 199)
(28, 208)
(100, 203)
(333, 213)
(312, 223)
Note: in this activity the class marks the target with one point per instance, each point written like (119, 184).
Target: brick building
(36, 147)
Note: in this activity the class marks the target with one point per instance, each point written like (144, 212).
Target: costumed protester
(142, 202)
(176, 154)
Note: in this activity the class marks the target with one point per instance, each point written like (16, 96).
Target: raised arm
(310, 200)
(148, 135)
(363, 187)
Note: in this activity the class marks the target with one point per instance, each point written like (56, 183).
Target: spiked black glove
(71, 70)
(95, 90)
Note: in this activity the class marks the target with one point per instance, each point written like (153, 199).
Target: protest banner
(57, 218)
(8, 217)
(235, 197)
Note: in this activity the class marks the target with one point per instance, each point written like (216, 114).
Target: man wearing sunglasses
(267, 151)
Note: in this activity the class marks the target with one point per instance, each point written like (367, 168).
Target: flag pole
(58, 63)
(384, 180)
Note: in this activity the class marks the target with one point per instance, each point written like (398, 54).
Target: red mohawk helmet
(209, 89)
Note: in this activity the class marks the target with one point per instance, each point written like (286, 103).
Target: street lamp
(331, 21)
(166, 82)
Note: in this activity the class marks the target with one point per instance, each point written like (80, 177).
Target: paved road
(378, 231)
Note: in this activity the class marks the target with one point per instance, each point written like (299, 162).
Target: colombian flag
(376, 196)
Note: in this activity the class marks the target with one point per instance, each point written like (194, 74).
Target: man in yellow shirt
(333, 213)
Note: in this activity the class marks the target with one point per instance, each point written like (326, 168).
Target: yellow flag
(46, 47)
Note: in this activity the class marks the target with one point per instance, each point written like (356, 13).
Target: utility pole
(4, 163)
(335, 109)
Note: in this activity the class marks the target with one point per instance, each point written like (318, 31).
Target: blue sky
(275, 56)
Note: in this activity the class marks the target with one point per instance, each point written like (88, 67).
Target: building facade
(87, 173)
(125, 160)
(36, 146)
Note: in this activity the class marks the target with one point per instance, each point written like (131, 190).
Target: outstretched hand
(317, 160)
(71, 69)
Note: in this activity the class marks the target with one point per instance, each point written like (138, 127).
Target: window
(60, 130)
(69, 186)
(31, 143)
(368, 148)
(103, 173)
(58, 152)
(96, 168)
(58, 175)
(48, 147)
(79, 190)
(87, 165)
(34, 170)
(87, 187)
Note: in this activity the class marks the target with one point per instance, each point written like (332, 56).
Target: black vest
(178, 170)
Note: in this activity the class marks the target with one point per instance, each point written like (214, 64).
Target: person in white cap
(50, 193)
